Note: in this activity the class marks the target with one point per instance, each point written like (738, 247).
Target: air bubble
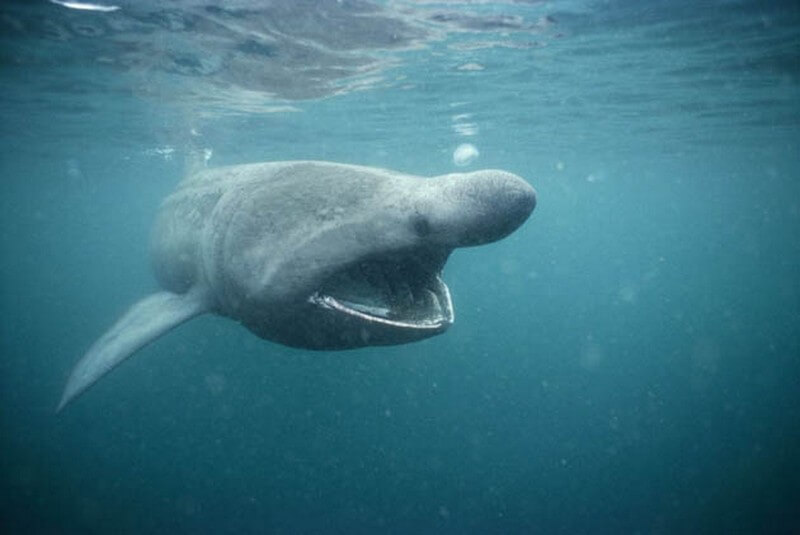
(465, 154)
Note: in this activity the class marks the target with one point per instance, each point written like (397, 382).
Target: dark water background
(627, 362)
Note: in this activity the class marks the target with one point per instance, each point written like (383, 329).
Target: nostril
(421, 225)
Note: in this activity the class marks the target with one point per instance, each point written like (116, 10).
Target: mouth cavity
(403, 291)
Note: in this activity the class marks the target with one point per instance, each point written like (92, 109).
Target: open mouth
(404, 291)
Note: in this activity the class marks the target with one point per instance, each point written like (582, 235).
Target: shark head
(361, 263)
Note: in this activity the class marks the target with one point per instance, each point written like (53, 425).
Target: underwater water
(628, 361)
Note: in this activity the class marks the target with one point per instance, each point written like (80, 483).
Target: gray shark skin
(315, 255)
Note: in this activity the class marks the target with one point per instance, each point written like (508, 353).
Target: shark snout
(481, 207)
(512, 198)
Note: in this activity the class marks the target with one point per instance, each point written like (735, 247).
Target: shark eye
(421, 225)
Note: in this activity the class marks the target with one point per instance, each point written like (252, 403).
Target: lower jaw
(352, 310)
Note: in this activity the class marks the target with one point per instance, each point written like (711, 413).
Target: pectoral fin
(142, 323)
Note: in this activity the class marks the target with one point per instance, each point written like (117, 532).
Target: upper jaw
(402, 291)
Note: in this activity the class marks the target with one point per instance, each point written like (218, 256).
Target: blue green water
(627, 362)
